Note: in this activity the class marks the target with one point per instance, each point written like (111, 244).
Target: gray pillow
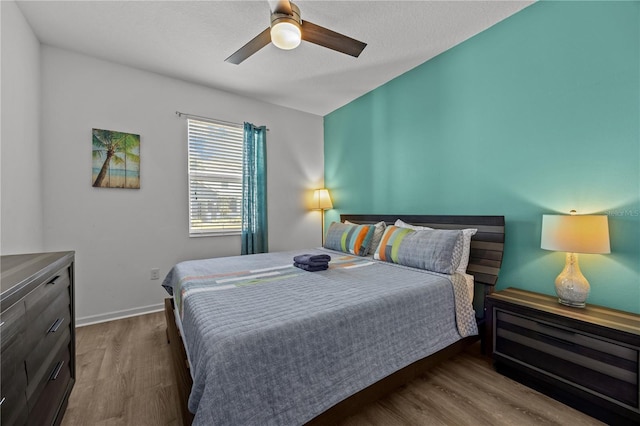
(433, 250)
(437, 250)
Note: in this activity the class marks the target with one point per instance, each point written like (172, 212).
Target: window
(215, 178)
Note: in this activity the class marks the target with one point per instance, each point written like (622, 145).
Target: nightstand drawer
(607, 368)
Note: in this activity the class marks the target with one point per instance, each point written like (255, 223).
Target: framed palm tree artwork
(116, 159)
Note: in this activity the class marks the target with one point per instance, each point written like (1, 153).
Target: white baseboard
(110, 316)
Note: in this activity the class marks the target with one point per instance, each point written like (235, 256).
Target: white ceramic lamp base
(572, 287)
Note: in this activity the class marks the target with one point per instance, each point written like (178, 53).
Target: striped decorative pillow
(354, 239)
(377, 235)
(390, 243)
(435, 250)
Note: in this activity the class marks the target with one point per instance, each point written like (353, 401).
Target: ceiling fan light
(286, 35)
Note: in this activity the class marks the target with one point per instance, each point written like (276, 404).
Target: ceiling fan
(288, 29)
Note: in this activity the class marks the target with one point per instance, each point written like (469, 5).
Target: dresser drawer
(13, 349)
(45, 331)
(41, 297)
(13, 372)
(13, 409)
(37, 380)
(13, 325)
(603, 367)
(44, 409)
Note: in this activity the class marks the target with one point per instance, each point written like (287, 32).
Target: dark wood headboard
(487, 245)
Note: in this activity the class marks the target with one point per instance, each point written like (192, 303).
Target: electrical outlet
(155, 273)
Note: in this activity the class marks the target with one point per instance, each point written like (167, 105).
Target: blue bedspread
(271, 344)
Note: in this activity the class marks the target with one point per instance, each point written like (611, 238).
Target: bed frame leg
(485, 327)
(179, 363)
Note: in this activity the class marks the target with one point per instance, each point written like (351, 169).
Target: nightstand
(586, 358)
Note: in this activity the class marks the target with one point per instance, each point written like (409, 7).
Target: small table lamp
(574, 234)
(322, 201)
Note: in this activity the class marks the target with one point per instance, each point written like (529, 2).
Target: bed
(268, 343)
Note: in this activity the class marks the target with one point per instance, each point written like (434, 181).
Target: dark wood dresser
(587, 358)
(38, 337)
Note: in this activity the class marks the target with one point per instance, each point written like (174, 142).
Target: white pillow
(466, 249)
(377, 235)
(466, 242)
(401, 224)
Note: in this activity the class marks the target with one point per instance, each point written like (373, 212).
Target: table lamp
(322, 201)
(574, 234)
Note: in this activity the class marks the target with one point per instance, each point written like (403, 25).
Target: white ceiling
(189, 40)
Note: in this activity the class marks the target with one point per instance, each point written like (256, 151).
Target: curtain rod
(213, 120)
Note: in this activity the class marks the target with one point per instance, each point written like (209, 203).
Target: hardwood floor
(123, 374)
(467, 391)
(124, 377)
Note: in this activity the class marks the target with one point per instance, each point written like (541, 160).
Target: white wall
(20, 177)
(118, 234)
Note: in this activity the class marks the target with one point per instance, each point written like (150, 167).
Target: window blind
(215, 177)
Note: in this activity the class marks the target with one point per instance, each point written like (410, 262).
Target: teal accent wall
(539, 114)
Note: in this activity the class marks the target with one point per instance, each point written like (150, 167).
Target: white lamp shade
(575, 233)
(286, 35)
(321, 199)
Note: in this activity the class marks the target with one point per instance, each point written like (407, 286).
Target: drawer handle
(1, 401)
(56, 325)
(54, 279)
(56, 371)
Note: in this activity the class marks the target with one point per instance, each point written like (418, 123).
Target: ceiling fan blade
(325, 37)
(280, 6)
(257, 43)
